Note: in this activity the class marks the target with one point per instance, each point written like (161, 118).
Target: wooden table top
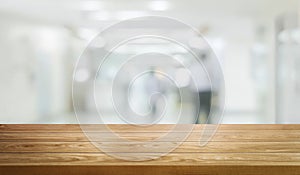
(234, 149)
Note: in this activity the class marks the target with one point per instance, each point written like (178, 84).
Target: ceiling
(95, 13)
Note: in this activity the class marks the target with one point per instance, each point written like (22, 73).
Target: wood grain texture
(238, 136)
(152, 170)
(127, 128)
(234, 149)
(186, 147)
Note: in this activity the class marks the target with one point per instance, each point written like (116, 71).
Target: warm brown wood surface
(234, 149)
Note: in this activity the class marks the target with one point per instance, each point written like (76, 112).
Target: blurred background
(257, 43)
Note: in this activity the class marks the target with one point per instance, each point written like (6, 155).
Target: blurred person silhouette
(202, 88)
(155, 90)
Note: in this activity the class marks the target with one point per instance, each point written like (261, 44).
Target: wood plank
(171, 159)
(242, 136)
(132, 128)
(234, 149)
(151, 170)
(186, 147)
